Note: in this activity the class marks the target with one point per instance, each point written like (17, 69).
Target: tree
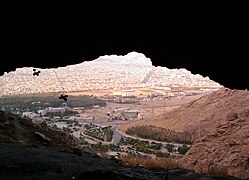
(169, 147)
(183, 149)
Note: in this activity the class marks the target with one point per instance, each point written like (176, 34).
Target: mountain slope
(206, 112)
(14, 129)
(219, 122)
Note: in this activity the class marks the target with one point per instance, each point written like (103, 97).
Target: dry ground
(153, 109)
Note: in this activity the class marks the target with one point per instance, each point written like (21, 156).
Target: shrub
(183, 149)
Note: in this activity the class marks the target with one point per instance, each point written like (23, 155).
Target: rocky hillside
(224, 149)
(14, 129)
(220, 126)
(206, 112)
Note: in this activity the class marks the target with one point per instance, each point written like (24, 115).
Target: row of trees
(146, 144)
(61, 114)
(160, 134)
(40, 101)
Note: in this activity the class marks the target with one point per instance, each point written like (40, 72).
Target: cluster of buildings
(126, 114)
(164, 77)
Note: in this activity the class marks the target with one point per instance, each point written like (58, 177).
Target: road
(148, 76)
(116, 136)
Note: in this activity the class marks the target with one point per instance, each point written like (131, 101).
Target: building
(59, 109)
(141, 115)
(79, 109)
(130, 114)
(175, 149)
(30, 115)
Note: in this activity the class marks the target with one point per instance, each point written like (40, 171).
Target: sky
(201, 36)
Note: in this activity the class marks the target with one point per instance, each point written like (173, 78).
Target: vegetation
(152, 162)
(61, 114)
(183, 149)
(113, 147)
(162, 155)
(159, 134)
(170, 163)
(66, 130)
(100, 133)
(145, 146)
(94, 131)
(99, 147)
(36, 102)
(156, 146)
(122, 140)
(108, 133)
(169, 147)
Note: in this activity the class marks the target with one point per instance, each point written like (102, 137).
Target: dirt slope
(220, 124)
(206, 112)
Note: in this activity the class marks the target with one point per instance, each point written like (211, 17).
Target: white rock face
(129, 59)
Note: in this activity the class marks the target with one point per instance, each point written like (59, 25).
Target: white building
(30, 115)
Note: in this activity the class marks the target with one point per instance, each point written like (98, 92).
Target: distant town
(105, 73)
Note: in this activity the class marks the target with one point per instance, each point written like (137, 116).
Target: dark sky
(201, 36)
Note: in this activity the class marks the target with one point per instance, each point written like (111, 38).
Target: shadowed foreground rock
(24, 162)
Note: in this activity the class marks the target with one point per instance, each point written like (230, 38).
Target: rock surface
(23, 162)
(222, 147)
